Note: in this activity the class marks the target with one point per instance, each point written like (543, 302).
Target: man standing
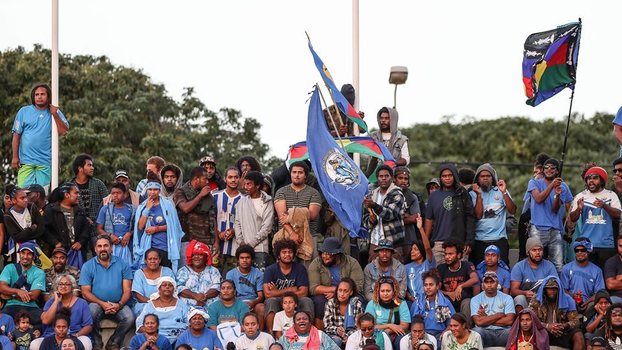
(106, 283)
(172, 179)
(132, 197)
(597, 208)
(391, 136)
(37, 196)
(214, 181)
(581, 278)
(197, 211)
(92, 190)
(449, 213)
(411, 233)
(384, 212)
(459, 281)
(154, 165)
(491, 203)
(549, 196)
(617, 189)
(32, 137)
(382, 266)
(493, 312)
(617, 128)
(254, 219)
(226, 201)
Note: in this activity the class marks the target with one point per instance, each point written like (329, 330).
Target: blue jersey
(35, 129)
(225, 217)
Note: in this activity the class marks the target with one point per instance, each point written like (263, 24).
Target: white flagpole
(54, 82)
(355, 68)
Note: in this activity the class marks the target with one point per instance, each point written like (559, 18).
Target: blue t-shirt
(206, 341)
(588, 279)
(439, 209)
(34, 276)
(335, 275)
(542, 215)
(219, 313)
(596, 223)
(528, 277)
(383, 314)
(35, 129)
(297, 277)
(500, 303)
(80, 316)
(491, 226)
(618, 118)
(121, 218)
(502, 274)
(157, 218)
(106, 283)
(6, 324)
(248, 285)
(140, 338)
(414, 276)
(5, 342)
(436, 314)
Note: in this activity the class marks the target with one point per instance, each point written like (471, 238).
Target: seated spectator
(493, 312)
(198, 281)
(170, 310)
(6, 321)
(304, 335)
(417, 336)
(527, 333)
(150, 338)
(116, 219)
(248, 281)
(253, 338)
(613, 274)
(368, 333)
(23, 335)
(422, 259)
(595, 318)
(459, 281)
(284, 319)
(424, 344)
(527, 275)
(493, 263)
(581, 278)
(612, 332)
(342, 311)
(22, 221)
(433, 306)
(226, 313)
(61, 333)
(327, 270)
(105, 282)
(81, 321)
(460, 337)
(392, 315)
(557, 311)
(384, 265)
(59, 267)
(598, 343)
(197, 336)
(145, 279)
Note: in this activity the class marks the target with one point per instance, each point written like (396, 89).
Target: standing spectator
(613, 274)
(617, 189)
(92, 190)
(154, 165)
(549, 196)
(106, 283)
(422, 260)
(525, 217)
(459, 280)
(214, 181)
(449, 213)
(254, 219)
(597, 207)
(581, 278)
(131, 197)
(226, 201)
(492, 263)
(491, 203)
(32, 137)
(172, 179)
(493, 312)
(384, 213)
(199, 281)
(617, 128)
(389, 134)
(116, 219)
(245, 165)
(412, 211)
(384, 265)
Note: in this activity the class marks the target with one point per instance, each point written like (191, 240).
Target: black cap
(35, 188)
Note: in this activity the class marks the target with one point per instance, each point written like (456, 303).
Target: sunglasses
(550, 167)
(367, 329)
(580, 250)
(617, 170)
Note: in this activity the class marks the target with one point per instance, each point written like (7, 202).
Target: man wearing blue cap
(492, 263)
(22, 283)
(581, 278)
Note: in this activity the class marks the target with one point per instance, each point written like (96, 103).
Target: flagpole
(330, 114)
(561, 163)
(54, 74)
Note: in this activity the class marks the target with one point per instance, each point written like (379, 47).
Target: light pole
(398, 76)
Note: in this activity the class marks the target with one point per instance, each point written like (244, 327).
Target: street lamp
(398, 76)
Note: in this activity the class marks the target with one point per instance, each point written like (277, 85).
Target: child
(7, 326)
(283, 320)
(23, 333)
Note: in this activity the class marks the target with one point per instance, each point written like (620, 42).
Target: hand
(502, 186)
(151, 230)
(114, 238)
(481, 311)
(205, 191)
(15, 164)
(33, 226)
(53, 110)
(529, 294)
(294, 236)
(57, 297)
(76, 246)
(283, 219)
(271, 286)
(580, 203)
(598, 203)
(23, 295)
(150, 203)
(341, 331)
(329, 295)
(126, 239)
(229, 233)
(458, 292)
(556, 182)
(476, 188)
(343, 130)
(397, 329)
(467, 250)
(37, 333)
(368, 202)
(558, 190)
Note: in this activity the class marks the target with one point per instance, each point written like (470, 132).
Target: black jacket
(21, 235)
(56, 229)
(462, 209)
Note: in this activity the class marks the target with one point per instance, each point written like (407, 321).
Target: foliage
(120, 117)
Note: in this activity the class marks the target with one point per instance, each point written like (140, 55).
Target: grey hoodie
(397, 140)
(180, 180)
(490, 169)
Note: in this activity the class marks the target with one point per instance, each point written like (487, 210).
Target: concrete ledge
(108, 327)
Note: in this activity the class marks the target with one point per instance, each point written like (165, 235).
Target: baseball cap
(385, 244)
(207, 159)
(59, 250)
(492, 249)
(35, 188)
(490, 274)
(121, 173)
(27, 246)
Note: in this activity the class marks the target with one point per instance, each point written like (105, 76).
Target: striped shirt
(300, 199)
(225, 218)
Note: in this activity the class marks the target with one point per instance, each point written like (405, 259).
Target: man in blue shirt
(248, 280)
(32, 137)
(493, 312)
(549, 198)
(105, 282)
(581, 278)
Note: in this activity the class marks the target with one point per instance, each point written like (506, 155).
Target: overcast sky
(464, 57)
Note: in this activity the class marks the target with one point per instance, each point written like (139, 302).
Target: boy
(23, 333)
(116, 220)
(283, 320)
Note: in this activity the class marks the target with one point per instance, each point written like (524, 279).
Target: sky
(463, 57)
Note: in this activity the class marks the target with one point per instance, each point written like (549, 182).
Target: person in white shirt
(253, 338)
(417, 333)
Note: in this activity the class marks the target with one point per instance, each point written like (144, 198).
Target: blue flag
(342, 182)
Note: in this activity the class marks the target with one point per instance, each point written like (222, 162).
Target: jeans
(493, 337)
(124, 319)
(551, 240)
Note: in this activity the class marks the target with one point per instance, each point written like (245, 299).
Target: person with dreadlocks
(392, 315)
(558, 312)
(612, 332)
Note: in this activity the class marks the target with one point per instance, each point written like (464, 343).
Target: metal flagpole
(355, 69)
(561, 163)
(55, 153)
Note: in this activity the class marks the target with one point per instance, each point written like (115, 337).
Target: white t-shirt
(354, 341)
(378, 233)
(23, 219)
(259, 205)
(262, 341)
(405, 342)
(282, 322)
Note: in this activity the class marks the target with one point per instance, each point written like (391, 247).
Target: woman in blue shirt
(433, 306)
(150, 339)
(144, 284)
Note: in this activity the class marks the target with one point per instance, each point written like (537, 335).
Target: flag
(341, 102)
(550, 62)
(342, 182)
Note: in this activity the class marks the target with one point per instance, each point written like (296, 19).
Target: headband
(153, 185)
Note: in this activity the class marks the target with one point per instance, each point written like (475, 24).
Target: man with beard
(22, 283)
(197, 212)
(527, 275)
(449, 214)
(214, 181)
(617, 189)
(226, 201)
(527, 332)
(396, 142)
(59, 267)
(459, 280)
(613, 274)
(597, 208)
(492, 263)
(32, 137)
(172, 179)
(493, 312)
(491, 203)
(92, 190)
(581, 278)
(549, 198)
(556, 310)
(286, 275)
(327, 270)
(105, 282)
(384, 265)
(384, 212)
(226, 313)
(411, 200)
(612, 331)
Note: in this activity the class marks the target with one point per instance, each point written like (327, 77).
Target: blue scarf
(174, 233)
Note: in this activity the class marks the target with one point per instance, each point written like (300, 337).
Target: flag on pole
(550, 62)
(342, 182)
(341, 102)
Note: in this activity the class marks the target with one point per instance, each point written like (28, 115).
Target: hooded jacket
(537, 329)
(397, 140)
(180, 180)
(566, 310)
(251, 227)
